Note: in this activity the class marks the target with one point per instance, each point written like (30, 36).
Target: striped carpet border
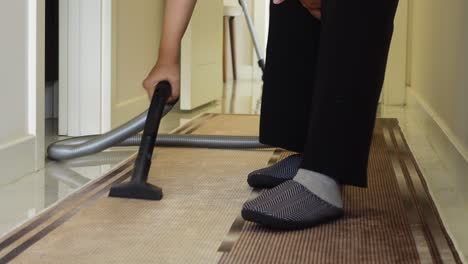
(410, 231)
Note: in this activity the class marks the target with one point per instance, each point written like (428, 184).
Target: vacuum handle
(155, 113)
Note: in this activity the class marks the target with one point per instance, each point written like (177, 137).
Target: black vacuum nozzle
(134, 190)
(138, 188)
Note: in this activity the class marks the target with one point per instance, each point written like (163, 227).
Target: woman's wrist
(169, 55)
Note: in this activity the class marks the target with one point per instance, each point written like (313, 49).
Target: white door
(22, 89)
(201, 56)
(80, 66)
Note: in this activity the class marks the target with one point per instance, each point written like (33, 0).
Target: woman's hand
(314, 6)
(177, 15)
(164, 72)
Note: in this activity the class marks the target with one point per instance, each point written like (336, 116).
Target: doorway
(51, 70)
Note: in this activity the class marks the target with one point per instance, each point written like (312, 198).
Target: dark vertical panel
(51, 40)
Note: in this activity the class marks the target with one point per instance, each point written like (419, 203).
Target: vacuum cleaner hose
(127, 135)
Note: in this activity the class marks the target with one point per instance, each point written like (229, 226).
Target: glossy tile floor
(29, 195)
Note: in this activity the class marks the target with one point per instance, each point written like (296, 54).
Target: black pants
(323, 80)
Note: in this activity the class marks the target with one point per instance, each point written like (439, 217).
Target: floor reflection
(28, 196)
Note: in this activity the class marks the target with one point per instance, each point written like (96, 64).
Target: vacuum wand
(138, 188)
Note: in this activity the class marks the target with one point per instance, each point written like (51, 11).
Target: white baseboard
(451, 137)
(445, 171)
(16, 159)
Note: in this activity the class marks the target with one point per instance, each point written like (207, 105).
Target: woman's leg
(288, 84)
(354, 46)
(353, 50)
(289, 76)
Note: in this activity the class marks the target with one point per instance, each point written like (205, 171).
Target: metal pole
(261, 61)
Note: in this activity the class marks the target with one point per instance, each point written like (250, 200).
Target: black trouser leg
(353, 50)
(289, 76)
(323, 81)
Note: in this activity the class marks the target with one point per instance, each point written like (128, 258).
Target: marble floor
(445, 172)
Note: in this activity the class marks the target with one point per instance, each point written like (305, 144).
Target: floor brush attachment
(138, 187)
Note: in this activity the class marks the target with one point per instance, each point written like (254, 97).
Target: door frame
(37, 78)
(85, 53)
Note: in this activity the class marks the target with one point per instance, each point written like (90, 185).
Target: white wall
(201, 56)
(13, 66)
(136, 30)
(439, 63)
(394, 90)
(21, 72)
